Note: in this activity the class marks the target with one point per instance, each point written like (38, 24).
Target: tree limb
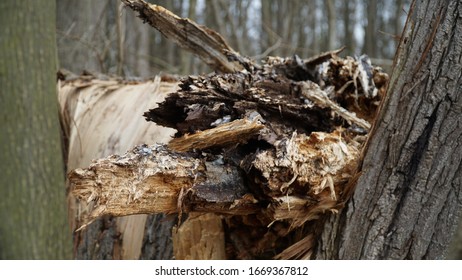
(153, 179)
(207, 44)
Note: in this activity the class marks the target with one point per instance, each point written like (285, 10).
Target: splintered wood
(270, 147)
(120, 181)
(207, 44)
(255, 142)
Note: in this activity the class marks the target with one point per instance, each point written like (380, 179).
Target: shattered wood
(271, 147)
(207, 44)
(270, 142)
(153, 179)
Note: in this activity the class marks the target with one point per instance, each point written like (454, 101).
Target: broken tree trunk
(269, 147)
(256, 148)
(97, 118)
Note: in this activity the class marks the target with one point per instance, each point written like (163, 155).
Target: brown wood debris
(271, 147)
(252, 143)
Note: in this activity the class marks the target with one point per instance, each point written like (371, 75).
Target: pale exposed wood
(136, 183)
(200, 237)
(235, 132)
(99, 123)
(100, 118)
(132, 233)
(301, 250)
(312, 92)
(150, 180)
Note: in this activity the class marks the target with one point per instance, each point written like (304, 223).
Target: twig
(312, 92)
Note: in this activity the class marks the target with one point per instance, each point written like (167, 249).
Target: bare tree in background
(93, 35)
(332, 25)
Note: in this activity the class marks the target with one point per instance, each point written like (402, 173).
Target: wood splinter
(149, 180)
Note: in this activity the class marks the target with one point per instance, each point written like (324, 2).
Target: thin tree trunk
(82, 38)
(302, 43)
(370, 29)
(407, 201)
(398, 26)
(332, 26)
(348, 24)
(186, 57)
(33, 222)
(139, 35)
(315, 35)
(265, 41)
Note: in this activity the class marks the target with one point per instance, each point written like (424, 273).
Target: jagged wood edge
(207, 44)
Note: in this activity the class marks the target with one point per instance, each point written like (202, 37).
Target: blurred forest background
(103, 36)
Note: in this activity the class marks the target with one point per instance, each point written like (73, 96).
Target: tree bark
(32, 190)
(407, 200)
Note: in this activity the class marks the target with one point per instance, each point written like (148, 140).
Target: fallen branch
(157, 180)
(149, 180)
(207, 44)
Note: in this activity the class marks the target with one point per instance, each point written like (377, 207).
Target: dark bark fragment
(156, 241)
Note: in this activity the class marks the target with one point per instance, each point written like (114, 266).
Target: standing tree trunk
(186, 57)
(265, 38)
(348, 25)
(33, 221)
(407, 200)
(370, 42)
(83, 40)
(332, 25)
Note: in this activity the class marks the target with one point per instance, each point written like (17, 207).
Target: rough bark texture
(407, 201)
(157, 243)
(33, 221)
